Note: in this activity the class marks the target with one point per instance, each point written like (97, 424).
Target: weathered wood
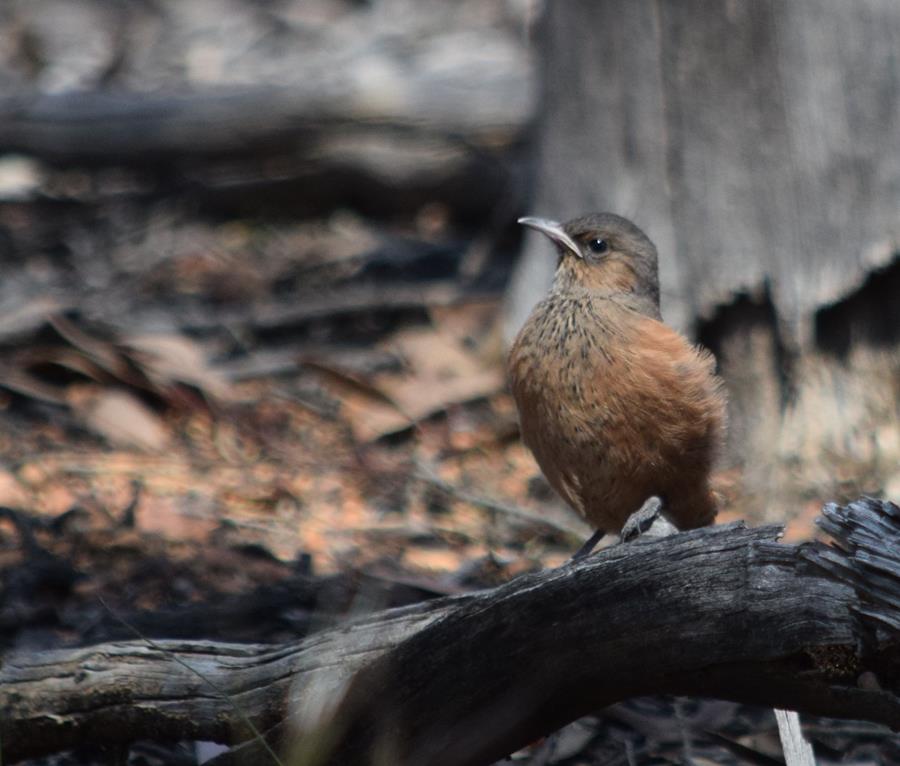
(126, 690)
(722, 611)
(763, 160)
(751, 142)
(276, 149)
(134, 128)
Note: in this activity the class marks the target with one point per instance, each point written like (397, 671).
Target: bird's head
(602, 252)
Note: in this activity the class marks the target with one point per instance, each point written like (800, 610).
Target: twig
(797, 749)
(426, 474)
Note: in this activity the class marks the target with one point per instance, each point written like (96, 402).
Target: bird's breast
(557, 362)
(565, 340)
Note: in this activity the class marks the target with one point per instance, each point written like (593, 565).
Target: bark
(750, 142)
(765, 160)
(723, 612)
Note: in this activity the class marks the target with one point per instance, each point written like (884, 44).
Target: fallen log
(723, 612)
(297, 150)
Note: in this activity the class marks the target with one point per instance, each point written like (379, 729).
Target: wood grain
(722, 612)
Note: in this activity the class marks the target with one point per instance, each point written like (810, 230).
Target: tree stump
(753, 142)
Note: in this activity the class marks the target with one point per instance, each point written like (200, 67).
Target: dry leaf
(168, 359)
(442, 373)
(100, 351)
(37, 358)
(27, 316)
(20, 382)
(370, 413)
(438, 373)
(166, 516)
(118, 416)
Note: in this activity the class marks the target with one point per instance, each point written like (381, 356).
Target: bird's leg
(641, 520)
(589, 545)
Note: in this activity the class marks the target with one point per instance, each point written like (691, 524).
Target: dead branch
(234, 145)
(118, 126)
(426, 474)
(721, 612)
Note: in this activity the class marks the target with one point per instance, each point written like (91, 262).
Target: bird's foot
(642, 519)
(589, 545)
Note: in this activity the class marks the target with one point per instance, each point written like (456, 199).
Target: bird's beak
(553, 230)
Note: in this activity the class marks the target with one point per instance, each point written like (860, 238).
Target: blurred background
(260, 268)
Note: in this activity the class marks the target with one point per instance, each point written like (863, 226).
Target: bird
(623, 414)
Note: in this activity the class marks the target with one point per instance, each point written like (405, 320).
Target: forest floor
(375, 436)
(229, 405)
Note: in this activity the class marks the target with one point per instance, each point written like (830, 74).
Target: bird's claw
(641, 520)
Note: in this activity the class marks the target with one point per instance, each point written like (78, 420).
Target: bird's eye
(598, 246)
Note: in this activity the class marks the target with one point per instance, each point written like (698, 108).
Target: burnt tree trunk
(754, 142)
(721, 612)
